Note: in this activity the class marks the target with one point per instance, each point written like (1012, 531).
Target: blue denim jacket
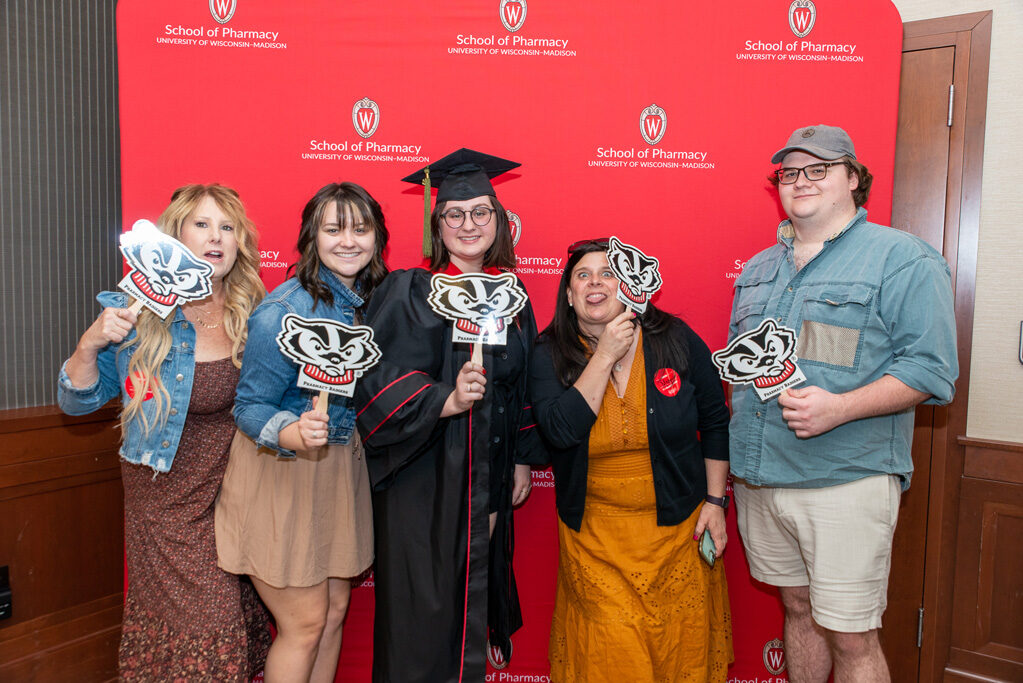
(156, 449)
(875, 301)
(268, 398)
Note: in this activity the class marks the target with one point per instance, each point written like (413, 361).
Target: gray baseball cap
(825, 142)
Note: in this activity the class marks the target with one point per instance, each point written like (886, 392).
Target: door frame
(970, 35)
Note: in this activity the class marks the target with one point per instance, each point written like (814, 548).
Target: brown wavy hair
(571, 348)
(351, 200)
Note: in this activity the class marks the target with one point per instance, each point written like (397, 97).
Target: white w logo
(366, 119)
(802, 19)
(513, 14)
(652, 122)
(776, 658)
(223, 10)
(653, 126)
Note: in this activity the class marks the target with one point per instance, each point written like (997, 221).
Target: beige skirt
(295, 522)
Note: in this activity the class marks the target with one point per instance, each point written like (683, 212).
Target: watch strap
(721, 502)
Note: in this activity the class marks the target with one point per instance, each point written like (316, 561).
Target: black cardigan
(683, 430)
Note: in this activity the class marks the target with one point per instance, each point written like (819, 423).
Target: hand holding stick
(136, 306)
(322, 402)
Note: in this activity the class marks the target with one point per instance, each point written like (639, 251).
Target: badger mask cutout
(480, 305)
(164, 272)
(332, 355)
(764, 357)
(638, 274)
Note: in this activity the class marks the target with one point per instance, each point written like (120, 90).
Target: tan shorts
(837, 540)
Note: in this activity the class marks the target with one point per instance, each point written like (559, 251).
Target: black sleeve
(562, 414)
(529, 448)
(710, 399)
(400, 400)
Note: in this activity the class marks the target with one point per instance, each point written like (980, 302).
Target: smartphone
(707, 548)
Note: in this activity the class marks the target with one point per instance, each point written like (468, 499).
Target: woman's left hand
(522, 483)
(712, 518)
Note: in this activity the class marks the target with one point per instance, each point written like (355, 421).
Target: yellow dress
(634, 600)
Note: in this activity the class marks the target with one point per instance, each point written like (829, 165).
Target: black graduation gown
(431, 483)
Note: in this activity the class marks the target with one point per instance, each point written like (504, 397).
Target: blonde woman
(184, 618)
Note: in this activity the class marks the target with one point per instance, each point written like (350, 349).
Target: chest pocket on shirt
(752, 292)
(834, 318)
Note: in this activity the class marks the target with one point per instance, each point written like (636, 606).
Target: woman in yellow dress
(635, 416)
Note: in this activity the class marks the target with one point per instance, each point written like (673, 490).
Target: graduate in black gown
(448, 445)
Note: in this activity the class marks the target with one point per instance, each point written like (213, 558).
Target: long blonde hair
(243, 292)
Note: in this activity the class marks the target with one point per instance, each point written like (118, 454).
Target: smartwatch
(721, 502)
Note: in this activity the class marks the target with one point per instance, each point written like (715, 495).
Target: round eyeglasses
(455, 218)
(787, 176)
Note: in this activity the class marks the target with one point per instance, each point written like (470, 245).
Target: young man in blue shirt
(820, 469)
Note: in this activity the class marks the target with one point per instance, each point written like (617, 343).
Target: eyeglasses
(598, 242)
(454, 218)
(787, 176)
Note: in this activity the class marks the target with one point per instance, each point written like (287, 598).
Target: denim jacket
(156, 449)
(874, 301)
(268, 398)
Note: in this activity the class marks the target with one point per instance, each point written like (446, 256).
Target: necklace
(200, 321)
(198, 313)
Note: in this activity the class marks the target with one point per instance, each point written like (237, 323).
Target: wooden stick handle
(321, 404)
(136, 306)
(477, 353)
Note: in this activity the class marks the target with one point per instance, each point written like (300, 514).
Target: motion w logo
(652, 124)
(513, 14)
(223, 10)
(366, 117)
(774, 656)
(802, 15)
(801, 18)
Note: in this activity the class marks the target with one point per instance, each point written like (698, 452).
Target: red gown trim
(414, 372)
(395, 410)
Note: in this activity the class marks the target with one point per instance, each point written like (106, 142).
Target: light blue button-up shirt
(874, 301)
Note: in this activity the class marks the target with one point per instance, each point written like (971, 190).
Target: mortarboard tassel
(427, 241)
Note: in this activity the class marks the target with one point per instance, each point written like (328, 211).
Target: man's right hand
(810, 411)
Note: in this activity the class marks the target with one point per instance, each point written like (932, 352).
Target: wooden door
(939, 161)
(918, 206)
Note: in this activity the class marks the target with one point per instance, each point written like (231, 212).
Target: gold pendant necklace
(200, 321)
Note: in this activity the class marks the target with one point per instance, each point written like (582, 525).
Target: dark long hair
(360, 203)
(501, 253)
(571, 354)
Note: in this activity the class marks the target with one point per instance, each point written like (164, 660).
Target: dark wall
(60, 199)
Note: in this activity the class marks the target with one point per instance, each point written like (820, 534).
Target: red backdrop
(264, 96)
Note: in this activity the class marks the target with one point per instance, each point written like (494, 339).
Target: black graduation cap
(463, 174)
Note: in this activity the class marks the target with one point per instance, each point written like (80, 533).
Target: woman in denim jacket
(183, 617)
(294, 512)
